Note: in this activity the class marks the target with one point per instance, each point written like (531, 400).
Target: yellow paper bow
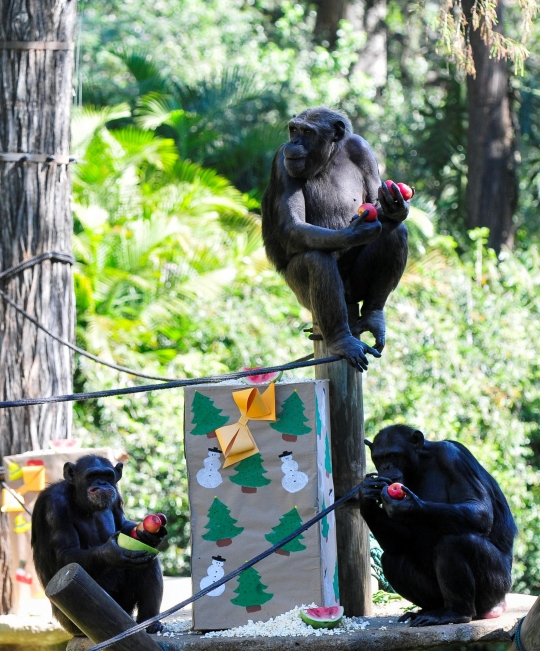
(236, 440)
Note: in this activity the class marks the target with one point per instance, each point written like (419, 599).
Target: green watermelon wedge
(322, 617)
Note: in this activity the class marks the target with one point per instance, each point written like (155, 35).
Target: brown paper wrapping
(230, 522)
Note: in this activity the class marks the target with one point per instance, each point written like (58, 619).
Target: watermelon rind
(134, 545)
(317, 618)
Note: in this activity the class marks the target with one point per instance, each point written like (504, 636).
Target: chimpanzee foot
(435, 617)
(495, 612)
(353, 351)
(155, 627)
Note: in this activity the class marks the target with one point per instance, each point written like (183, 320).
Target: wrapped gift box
(259, 467)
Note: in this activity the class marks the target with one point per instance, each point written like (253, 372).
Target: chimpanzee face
(94, 479)
(394, 452)
(310, 147)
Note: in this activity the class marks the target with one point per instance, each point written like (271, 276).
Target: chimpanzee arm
(288, 213)
(65, 542)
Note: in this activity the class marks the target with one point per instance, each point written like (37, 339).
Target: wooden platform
(382, 634)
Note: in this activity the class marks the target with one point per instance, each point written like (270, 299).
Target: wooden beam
(349, 468)
(93, 611)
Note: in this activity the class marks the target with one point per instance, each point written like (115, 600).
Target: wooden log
(93, 611)
(349, 468)
(530, 630)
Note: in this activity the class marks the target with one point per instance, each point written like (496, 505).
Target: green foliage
(250, 472)
(288, 523)
(221, 525)
(251, 590)
(291, 419)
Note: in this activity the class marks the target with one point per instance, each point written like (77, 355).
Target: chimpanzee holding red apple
(77, 520)
(329, 255)
(448, 542)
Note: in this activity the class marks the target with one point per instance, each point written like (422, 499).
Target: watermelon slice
(321, 617)
(263, 378)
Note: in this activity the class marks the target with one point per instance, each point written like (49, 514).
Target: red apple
(152, 523)
(406, 191)
(133, 533)
(163, 518)
(372, 211)
(396, 491)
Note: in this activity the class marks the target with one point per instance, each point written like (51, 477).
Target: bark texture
(367, 17)
(35, 217)
(492, 179)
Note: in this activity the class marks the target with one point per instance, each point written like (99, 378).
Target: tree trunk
(35, 217)
(367, 17)
(492, 180)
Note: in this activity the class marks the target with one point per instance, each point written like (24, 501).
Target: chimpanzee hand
(372, 486)
(361, 232)
(115, 556)
(152, 539)
(394, 207)
(400, 509)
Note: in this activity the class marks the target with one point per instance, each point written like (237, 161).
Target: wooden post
(92, 610)
(349, 468)
(36, 64)
(530, 630)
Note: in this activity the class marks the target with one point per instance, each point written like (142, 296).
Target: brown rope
(35, 45)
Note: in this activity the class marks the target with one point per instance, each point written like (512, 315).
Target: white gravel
(287, 625)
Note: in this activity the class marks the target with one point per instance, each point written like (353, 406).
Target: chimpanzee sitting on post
(76, 521)
(448, 543)
(330, 256)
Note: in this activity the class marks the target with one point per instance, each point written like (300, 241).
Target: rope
(14, 494)
(228, 577)
(64, 257)
(211, 379)
(49, 255)
(517, 636)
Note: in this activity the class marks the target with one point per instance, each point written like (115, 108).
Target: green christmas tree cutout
(291, 419)
(336, 583)
(288, 523)
(325, 527)
(251, 591)
(250, 474)
(221, 526)
(206, 416)
(327, 457)
(318, 422)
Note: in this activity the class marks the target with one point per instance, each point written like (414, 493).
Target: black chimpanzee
(75, 521)
(328, 255)
(448, 544)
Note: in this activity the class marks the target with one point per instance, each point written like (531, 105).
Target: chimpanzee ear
(118, 471)
(339, 131)
(417, 439)
(69, 472)
(368, 443)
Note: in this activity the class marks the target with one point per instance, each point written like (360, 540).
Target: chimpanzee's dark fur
(328, 255)
(448, 544)
(74, 521)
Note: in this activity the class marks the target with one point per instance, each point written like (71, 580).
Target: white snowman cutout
(209, 477)
(214, 572)
(293, 480)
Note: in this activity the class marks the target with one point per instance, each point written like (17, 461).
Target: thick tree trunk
(492, 179)
(35, 217)
(367, 17)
